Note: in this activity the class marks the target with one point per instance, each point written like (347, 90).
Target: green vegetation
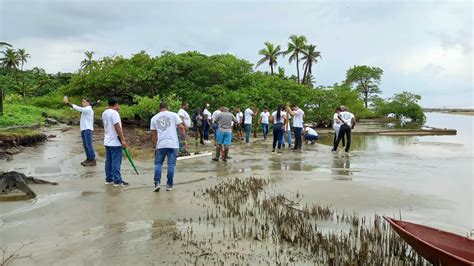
(142, 81)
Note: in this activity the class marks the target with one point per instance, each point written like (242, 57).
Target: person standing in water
(114, 141)
(248, 115)
(348, 123)
(264, 121)
(298, 117)
(207, 122)
(279, 120)
(198, 128)
(87, 129)
(238, 126)
(337, 125)
(165, 140)
(224, 133)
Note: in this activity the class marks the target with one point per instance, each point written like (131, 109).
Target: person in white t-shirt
(207, 122)
(165, 140)
(264, 120)
(183, 114)
(337, 125)
(87, 129)
(215, 125)
(298, 117)
(348, 123)
(287, 131)
(114, 141)
(279, 120)
(310, 135)
(248, 115)
(238, 125)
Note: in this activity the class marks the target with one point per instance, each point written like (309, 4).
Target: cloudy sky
(422, 46)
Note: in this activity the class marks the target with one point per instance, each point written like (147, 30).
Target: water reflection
(341, 165)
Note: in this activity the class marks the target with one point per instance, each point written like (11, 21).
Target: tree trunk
(271, 68)
(297, 68)
(305, 72)
(366, 97)
(1, 101)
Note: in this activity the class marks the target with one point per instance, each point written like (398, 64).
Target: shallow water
(426, 179)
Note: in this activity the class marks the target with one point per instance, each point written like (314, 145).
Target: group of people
(169, 132)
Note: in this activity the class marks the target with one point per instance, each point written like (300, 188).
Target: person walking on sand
(279, 120)
(238, 125)
(207, 122)
(87, 129)
(348, 123)
(248, 115)
(337, 125)
(198, 128)
(298, 117)
(165, 140)
(183, 114)
(264, 120)
(114, 141)
(224, 133)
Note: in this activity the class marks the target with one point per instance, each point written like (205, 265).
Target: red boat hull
(436, 246)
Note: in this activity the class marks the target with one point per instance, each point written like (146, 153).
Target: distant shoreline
(456, 111)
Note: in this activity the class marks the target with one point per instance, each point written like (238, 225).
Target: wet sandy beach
(428, 180)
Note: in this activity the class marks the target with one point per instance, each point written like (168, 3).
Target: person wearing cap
(114, 141)
(310, 135)
(87, 128)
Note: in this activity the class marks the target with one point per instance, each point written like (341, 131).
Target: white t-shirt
(187, 119)
(248, 116)
(288, 127)
(239, 116)
(165, 124)
(282, 117)
(110, 117)
(311, 131)
(214, 115)
(298, 119)
(206, 113)
(335, 118)
(264, 116)
(346, 117)
(87, 116)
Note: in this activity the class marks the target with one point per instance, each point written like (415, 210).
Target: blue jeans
(160, 155)
(265, 130)
(86, 136)
(288, 133)
(215, 127)
(277, 135)
(248, 129)
(180, 138)
(298, 140)
(113, 162)
(206, 131)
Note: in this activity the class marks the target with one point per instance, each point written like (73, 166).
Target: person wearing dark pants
(264, 121)
(348, 120)
(114, 141)
(207, 122)
(165, 140)
(298, 116)
(345, 130)
(279, 120)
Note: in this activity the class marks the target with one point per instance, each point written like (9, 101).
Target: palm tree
(310, 56)
(5, 44)
(270, 54)
(23, 56)
(88, 61)
(10, 59)
(295, 46)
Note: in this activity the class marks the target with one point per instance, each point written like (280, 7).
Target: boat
(436, 246)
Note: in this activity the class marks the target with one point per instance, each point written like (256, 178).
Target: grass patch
(24, 115)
